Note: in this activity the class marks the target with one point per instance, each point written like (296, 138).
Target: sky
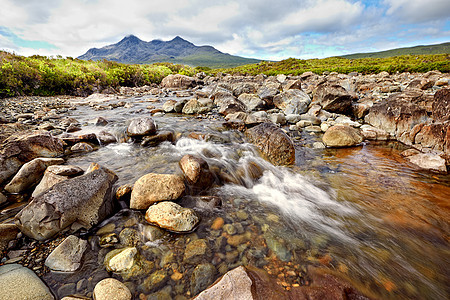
(270, 30)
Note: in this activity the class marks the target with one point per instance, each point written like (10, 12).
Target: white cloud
(419, 10)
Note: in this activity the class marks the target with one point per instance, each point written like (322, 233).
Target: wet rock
(269, 90)
(292, 101)
(235, 284)
(169, 106)
(155, 280)
(428, 161)
(371, 133)
(141, 127)
(129, 237)
(120, 260)
(8, 232)
(171, 216)
(110, 288)
(3, 199)
(195, 251)
(71, 140)
(178, 81)
(202, 277)
(333, 98)
(277, 118)
(278, 247)
(82, 148)
(195, 106)
(217, 223)
(19, 282)
(293, 118)
(151, 233)
(30, 174)
(152, 188)
(55, 174)
(124, 191)
(251, 101)
(205, 203)
(273, 143)
(100, 121)
(86, 199)
(196, 171)
(342, 136)
(67, 256)
(108, 240)
(106, 138)
(441, 105)
(155, 140)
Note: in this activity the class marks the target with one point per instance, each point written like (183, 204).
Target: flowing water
(363, 212)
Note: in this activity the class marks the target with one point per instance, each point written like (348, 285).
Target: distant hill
(132, 50)
(417, 50)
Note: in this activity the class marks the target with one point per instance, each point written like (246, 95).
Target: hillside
(132, 50)
(443, 48)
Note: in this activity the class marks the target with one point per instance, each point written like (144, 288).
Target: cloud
(419, 10)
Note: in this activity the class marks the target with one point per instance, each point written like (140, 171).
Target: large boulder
(251, 101)
(196, 172)
(269, 90)
(195, 106)
(85, 199)
(178, 81)
(441, 105)
(274, 144)
(428, 161)
(244, 88)
(333, 98)
(342, 136)
(292, 101)
(171, 216)
(141, 126)
(53, 175)
(152, 188)
(67, 256)
(19, 282)
(30, 174)
(228, 104)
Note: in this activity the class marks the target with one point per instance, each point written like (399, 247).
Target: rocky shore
(53, 213)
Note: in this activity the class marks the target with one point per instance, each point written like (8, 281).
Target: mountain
(132, 50)
(417, 50)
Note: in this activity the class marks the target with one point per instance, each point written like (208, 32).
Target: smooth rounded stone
(171, 216)
(155, 140)
(293, 118)
(141, 126)
(18, 282)
(100, 121)
(324, 126)
(236, 240)
(110, 288)
(229, 228)
(303, 124)
(106, 138)
(429, 161)
(150, 232)
(277, 118)
(195, 106)
(195, 251)
(178, 81)
(344, 120)
(235, 284)
(342, 136)
(129, 237)
(273, 143)
(108, 228)
(8, 232)
(196, 171)
(152, 188)
(319, 145)
(120, 260)
(260, 114)
(217, 223)
(371, 133)
(30, 174)
(169, 106)
(86, 200)
(124, 191)
(202, 276)
(67, 256)
(82, 147)
(333, 98)
(204, 203)
(292, 101)
(251, 101)
(313, 128)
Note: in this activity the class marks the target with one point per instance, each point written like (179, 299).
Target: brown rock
(171, 216)
(441, 105)
(155, 140)
(342, 136)
(178, 81)
(217, 223)
(333, 98)
(196, 171)
(8, 232)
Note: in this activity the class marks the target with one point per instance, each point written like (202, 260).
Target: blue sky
(253, 28)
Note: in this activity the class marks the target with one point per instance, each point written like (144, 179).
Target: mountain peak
(130, 39)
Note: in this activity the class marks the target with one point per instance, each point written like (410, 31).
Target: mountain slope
(417, 50)
(133, 50)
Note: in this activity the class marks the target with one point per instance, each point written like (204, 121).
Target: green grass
(404, 63)
(43, 76)
(443, 48)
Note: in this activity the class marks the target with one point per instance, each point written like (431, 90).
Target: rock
(244, 88)
(195, 251)
(292, 84)
(124, 191)
(196, 171)
(205, 203)
(106, 138)
(67, 256)
(268, 90)
(3, 199)
(82, 147)
(8, 167)
(333, 98)
(251, 101)
(195, 106)
(171, 216)
(229, 105)
(155, 280)
(318, 145)
(30, 174)
(441, 105)
(277, 118)
(19, 282)
(86, 199)
(120, 260)
(442, 82)
(202, 277)
(428, 161)
(141, 126)
(110, 288)
(217, 223)
(129, 237)
(178, 81)
(155, 140)
(409, 152)
(292, 101)
(293, 118)
(281, 78)
(278, 247)
(152, 188)
(342, 136)
(53, 175)
(8, 232)
(234, 285)
(434, 136)
(273, 143)
(100, 121)
(371, 133)
(169, 106)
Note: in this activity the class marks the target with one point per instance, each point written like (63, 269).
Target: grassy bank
(43, 76)
(404, 63)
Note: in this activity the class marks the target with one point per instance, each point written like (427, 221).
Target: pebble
(217, 223)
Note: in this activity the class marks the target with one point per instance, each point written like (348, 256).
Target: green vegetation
(43, 76)
(405, 63)
(417, 50)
